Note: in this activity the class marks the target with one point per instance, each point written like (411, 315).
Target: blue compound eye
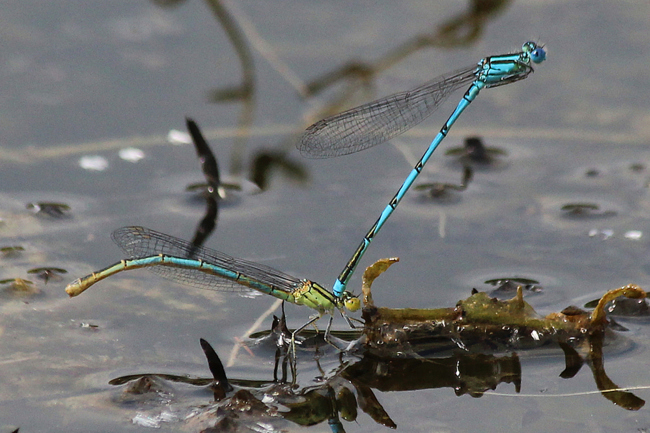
(538, 55)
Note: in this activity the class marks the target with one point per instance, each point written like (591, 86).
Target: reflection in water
(465, 373)
(220, 385)
(53, 210)
(508, 286)
(208, 222)
(439, 190)
(345, 390)
(585, 210)
(209, 164)
(11, 252)
(214, 189)
(472, 155)
(474, 152)
(624, 307)
(208, 269)
(459, 31)
(481, 323)
(245, 91)
(400, 350)
(266, 162)
(48, 273)
(334, 398)
(19, 286)
(605, 385)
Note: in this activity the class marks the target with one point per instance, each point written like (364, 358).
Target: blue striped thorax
(315, 296)
(499, 70)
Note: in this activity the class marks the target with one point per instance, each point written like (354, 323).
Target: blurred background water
(83, 81)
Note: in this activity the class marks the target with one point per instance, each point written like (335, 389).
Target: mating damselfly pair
(348, 132)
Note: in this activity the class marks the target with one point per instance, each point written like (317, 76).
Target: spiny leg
(312, 320)
(326, 336)
(350, 319)
(292, 349)
(328, 332)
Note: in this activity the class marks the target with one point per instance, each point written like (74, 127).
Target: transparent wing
(378, 121)
(139, 242)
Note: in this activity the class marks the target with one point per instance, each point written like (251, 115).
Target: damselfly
(376, 122)
(205, 268)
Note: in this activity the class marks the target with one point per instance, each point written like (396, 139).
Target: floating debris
(637, 167)
(11, 252)
(510, 285)
(93, 163)
(586, 210)
(605, 234)
(20, 286)
(474, 151)
(625, 307)
(53, 210)
(266, 162)
(47, 273)
(488, 324)
(131, 154)
(87, 325)
(633, 235)
(209, 163)
(443, 190)
(179, 137)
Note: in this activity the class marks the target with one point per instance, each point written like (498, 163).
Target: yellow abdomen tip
(75, 288)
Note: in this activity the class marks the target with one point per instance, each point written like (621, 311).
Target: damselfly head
(350, 301)
(537, 54)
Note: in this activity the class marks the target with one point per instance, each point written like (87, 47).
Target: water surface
(91, 79)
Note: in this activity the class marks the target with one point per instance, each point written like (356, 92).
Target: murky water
(88, 80)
